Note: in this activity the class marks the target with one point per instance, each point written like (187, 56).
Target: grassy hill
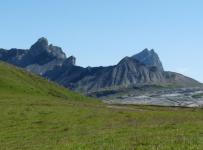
(40, 115)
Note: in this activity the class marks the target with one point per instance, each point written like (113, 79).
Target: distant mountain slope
(127, 72)
(51, 62)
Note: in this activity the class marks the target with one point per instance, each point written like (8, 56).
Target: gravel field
(184, 97)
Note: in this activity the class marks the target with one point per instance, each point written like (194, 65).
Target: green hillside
(40, 115)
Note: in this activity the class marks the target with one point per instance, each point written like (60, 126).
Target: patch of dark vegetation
(106, 93)
(65, 129)
(58, 94)
(102, 93)
(45, 113)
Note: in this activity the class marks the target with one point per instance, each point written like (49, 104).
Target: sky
(102, 32)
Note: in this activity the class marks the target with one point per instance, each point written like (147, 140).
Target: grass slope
(39, 115)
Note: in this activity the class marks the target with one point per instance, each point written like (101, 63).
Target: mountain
(126, 73)
(51, 62)
(40, 58)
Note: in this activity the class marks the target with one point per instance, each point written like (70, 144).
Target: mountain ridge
(144, 68)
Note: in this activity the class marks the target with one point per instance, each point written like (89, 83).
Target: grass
(39, 115)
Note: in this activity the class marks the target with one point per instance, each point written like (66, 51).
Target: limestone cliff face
(144, 68)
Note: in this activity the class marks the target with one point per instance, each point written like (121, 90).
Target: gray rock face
(51, 62)
(42, 47)
(13, 56)
(41, 53)
(39, 47)
(127, 73)
(70, 61)
(40, 58)
(149, 58)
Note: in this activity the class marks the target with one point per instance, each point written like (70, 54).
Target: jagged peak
(42, 45)
(149, 58)
(43, 40)
(148, 51)
(70, 61)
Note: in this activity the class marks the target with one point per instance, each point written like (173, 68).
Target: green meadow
(36, 114)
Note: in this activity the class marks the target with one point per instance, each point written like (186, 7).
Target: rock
(40, 58)
(69, 61)
(149, 58)
(39, 47)
(42, 49)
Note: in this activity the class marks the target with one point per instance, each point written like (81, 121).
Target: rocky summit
(40, 58)
(149, 58)
(144, 68)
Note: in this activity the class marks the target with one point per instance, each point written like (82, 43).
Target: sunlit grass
(38, 115)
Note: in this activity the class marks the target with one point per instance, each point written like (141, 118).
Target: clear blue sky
(101, 32)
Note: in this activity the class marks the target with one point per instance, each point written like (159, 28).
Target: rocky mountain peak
(69, 61)
(146, 50)
(150, 58)
(42, 47)
(42, 41)
(41, 44)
